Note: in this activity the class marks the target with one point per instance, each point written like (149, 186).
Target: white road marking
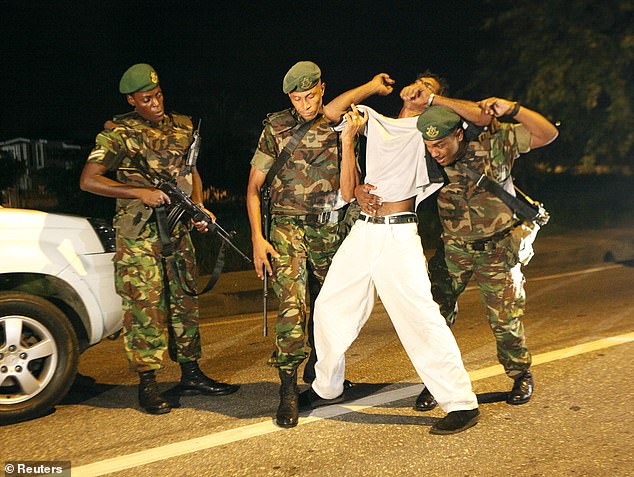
(176, 449)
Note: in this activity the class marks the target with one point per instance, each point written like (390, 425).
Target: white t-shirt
(395, 158)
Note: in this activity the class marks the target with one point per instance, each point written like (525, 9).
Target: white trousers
(390, 258)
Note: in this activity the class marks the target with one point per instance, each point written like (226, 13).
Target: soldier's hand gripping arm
(261, 247)
(381, 84)
(419, 95)
(542, 131)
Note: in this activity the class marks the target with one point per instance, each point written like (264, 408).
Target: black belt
(389, 219)
(489, 243)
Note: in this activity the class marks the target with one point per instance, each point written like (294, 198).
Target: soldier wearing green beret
(478, 228)
(307, 198)
(157, 317)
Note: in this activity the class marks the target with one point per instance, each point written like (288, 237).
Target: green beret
(301, 77)
(437, 122)
(139, 77)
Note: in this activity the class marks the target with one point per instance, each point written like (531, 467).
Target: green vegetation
(572, 61)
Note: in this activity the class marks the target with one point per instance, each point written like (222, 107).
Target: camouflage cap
(139, 77)
(437, 122)
(301, 77)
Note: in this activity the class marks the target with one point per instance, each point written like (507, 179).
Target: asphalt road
(580, 328)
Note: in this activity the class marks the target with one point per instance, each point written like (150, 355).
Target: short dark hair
(444, 85)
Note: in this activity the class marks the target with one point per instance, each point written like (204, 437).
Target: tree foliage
(571, 61)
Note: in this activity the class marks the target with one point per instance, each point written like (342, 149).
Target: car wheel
(38, 356)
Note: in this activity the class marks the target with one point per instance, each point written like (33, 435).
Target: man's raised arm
(381, 84)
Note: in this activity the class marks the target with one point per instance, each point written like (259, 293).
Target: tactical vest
(309, 182)
(164, 147)
(467, 211)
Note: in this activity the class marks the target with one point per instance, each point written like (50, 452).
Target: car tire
(38, 356)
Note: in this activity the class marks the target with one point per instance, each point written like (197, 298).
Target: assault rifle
(182, 206)
(265, 204)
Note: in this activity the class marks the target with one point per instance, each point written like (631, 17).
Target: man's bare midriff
(389, 208)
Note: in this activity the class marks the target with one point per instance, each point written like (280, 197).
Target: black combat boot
(522, 389)
(194, 381)
(150, 398)
(288, 410)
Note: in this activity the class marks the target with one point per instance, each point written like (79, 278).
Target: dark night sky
(62, 60)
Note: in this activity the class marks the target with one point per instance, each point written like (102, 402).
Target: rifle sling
(524, 209)
(164, 232)
(284, 156)
(215, 274)
(168, 258)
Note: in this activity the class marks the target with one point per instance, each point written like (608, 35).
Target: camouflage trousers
(157, 315)
(498, 275)
(303, 248)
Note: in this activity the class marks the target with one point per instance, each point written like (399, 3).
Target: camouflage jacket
(164, 147)
(309, 182)
(469, 212)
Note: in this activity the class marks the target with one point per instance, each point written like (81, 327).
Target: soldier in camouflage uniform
(158, 315)
(479, 230)
(307, 197)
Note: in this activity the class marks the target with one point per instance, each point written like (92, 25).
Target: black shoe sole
(157, 412)
(445, 432)
(285, 426)
(517, 403)
(429, 407)
(196, 392)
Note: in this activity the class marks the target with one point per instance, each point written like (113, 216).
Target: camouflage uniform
(158, 315)
(306, 186)
(478, 242)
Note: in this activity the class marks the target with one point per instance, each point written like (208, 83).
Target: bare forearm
(468, 110)
(104, 186)
(381, 84)
(349, 175)
(542, 131)
(254, 207)
(408, 111)
(335, 108)
(254, 212)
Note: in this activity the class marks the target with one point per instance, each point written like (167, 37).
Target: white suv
(57, 298)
